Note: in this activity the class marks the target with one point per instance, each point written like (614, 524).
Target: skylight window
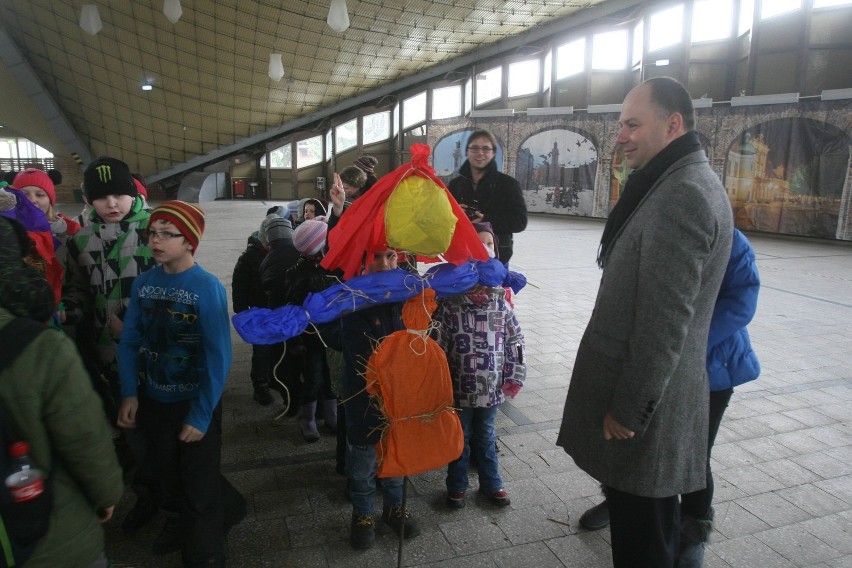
(571, 58)
(446, 102)
(778, 7)
(609, 50)
(746, 16)
(489, 85)
(414, 110)
(666, 28)
(711, 20)
(524, 77)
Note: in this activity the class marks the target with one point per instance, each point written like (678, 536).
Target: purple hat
(309, 237)
(485, 227)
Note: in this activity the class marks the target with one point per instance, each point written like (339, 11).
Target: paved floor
(783, 457)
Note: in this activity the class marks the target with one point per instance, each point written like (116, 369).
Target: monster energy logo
(104, 173)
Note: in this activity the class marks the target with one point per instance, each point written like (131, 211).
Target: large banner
(786, 168)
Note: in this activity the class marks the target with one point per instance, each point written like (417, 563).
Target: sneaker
(143, 512)
(455, 500)
(363, 533)
(262, 396)
(401, 521)
(499, 497)
(170, 538)
(596, 517)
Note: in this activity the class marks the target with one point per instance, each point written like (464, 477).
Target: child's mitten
(511, 389)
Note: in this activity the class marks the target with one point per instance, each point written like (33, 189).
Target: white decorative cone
(338, 17)
(172, 10)
(90, 19)
(276, 67)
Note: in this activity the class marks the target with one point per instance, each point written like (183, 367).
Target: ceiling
(72, 92)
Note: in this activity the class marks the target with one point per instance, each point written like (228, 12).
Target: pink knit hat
(309, 237)
(32, 177)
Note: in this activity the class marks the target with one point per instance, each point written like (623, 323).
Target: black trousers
(191, 478)
(645, 530)
(261, 365)
(697, 504)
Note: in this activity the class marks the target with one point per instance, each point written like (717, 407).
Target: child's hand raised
(190, 434)
(337, 194)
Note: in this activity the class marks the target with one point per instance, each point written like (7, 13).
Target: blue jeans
(480, 438)
(361, 470)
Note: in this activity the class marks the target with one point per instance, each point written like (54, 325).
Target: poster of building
(787, 176)
(556, 170)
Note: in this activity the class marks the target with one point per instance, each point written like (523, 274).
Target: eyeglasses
(483, 149)
(180, 317)
(161, 235)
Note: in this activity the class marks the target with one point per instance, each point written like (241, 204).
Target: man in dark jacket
(488, 195)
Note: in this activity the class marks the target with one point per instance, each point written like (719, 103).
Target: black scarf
(639, 183)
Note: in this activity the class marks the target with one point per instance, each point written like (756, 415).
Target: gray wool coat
(642, 357)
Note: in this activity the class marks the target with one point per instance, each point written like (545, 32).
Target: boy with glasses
(178, 335)
(488, 195)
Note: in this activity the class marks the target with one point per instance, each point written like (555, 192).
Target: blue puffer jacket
(730, 359)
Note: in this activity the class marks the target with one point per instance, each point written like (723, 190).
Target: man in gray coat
(631, 416)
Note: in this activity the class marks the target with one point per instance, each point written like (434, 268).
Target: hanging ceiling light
(148, 85)
(90, 19)
(276, 67)
(172, 10)
(338, 17)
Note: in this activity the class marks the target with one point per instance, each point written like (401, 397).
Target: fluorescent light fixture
(338, 16)
(492, 113)
(703, 102)
(172, 10)
(661, 62)
(276, 67)
(779, 98)
(147, 86)
(836, 94)
(90, 19)
(547, 111)
(604, 108)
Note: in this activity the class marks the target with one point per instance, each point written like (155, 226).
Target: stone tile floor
(782, 461)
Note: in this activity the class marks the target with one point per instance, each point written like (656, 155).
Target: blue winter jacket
(730, 359)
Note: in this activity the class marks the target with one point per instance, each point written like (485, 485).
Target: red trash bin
(239, 188)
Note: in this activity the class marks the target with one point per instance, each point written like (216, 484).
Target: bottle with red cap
(24, 481)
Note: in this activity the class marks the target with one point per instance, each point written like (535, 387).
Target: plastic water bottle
(24, 480)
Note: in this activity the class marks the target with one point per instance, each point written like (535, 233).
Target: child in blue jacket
(177, 331)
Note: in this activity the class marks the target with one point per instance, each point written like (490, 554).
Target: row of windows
(22, 149)
(712, 20)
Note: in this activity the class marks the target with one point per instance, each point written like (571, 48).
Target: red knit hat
(140, 188)
(187, 217)
(32, 177)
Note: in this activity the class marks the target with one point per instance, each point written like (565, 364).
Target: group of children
(477, 330)
(153, 329)
(161, 327)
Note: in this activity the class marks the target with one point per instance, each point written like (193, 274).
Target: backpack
(22, 525)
